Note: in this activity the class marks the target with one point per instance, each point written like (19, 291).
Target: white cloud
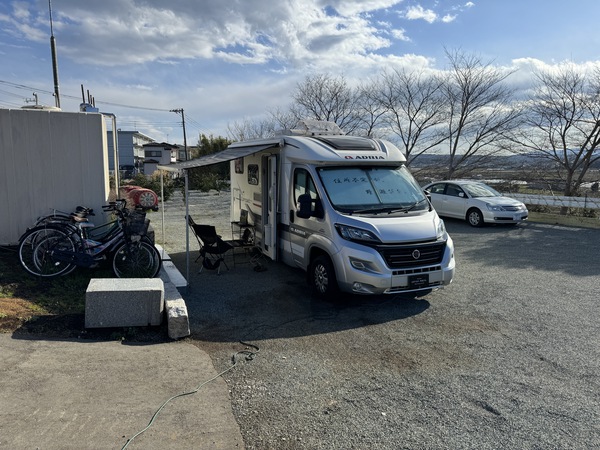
(400, 35)
(293, 33)
(419, 13)
(353, 7)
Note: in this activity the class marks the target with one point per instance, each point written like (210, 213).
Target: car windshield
(480, 190)
(372, 190)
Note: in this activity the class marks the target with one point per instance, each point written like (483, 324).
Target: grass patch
(564, 220)
(24, 297)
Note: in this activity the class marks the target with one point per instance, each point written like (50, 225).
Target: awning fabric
(232, 152)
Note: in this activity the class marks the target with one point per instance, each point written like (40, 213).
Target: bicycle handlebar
(117, 205)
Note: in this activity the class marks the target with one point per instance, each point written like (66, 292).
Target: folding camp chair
(212, 247)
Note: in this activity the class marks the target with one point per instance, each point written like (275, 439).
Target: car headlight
(494, 207)
(355, 234)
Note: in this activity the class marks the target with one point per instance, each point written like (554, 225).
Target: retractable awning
(234, 151)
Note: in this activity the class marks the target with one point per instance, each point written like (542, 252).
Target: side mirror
(305, 206)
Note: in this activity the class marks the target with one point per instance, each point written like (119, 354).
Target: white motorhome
(343, 208)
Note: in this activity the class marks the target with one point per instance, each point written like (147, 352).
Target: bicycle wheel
(37, 246)
(136, 260)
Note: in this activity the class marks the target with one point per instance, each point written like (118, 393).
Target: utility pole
(54, 59)
(185, 149)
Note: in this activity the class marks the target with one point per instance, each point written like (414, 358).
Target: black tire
(137, 260)
(475, 217)
(36, 251)
(322, 278)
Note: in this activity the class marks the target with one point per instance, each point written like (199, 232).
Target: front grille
(512, 208)
(416, 270)
(402, 256)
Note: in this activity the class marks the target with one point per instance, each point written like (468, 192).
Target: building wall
(50, 159)
(130, 145)
(159, 153)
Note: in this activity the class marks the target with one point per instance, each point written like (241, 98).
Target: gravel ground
(508, 356)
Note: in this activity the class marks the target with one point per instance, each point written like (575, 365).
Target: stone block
(124, 302)
(177, 315)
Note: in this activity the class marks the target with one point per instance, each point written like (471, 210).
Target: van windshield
(372, 190)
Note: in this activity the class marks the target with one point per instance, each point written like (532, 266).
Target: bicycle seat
(77, 218)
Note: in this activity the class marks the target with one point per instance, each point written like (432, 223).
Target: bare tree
(324, 97)
(276, 121)
(414, 109)
(479, 112)
(283, 119)
(251, 129)
(370, 110)
(563, 124)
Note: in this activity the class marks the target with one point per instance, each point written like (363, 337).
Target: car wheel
(474, 217)
(322, 278)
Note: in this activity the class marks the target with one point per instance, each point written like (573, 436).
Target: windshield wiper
(366, 211)
(405, 209)
(388, 210)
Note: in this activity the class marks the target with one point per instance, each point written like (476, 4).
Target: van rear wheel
(322, 278)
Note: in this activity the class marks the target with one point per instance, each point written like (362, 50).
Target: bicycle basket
(136, 224)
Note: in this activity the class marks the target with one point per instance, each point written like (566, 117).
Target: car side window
(454, 191)
(437, 188)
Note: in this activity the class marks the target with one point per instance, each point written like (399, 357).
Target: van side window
(304, 184)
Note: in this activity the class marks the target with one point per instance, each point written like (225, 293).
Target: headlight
(494, 207)
(355, 234)
(441, 230)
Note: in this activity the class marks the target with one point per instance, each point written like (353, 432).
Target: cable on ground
(249, 356)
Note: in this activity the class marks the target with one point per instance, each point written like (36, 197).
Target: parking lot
(508, 356)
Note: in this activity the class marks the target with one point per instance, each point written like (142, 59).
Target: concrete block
(124, 302)
(177, 315)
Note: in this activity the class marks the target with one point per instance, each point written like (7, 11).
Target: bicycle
(80, 214)
(57, 247)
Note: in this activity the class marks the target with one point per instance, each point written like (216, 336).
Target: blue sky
(229, 61)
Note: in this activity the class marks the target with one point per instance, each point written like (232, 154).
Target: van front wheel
(322, 277)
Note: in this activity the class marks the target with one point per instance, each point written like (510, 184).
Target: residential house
(130, 145)
(159, 153)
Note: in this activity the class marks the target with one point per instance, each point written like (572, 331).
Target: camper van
(343, 208)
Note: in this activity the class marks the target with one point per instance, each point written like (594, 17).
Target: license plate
(418, 281)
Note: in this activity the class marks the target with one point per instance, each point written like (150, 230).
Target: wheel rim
(474, 218)
(321, 278)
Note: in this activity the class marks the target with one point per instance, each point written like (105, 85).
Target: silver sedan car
(475, 202)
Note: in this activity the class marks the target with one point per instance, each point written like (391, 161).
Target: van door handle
(291, 215)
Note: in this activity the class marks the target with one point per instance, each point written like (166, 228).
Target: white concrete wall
(50, 159)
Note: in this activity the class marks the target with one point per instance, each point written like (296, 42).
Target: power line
(195, 125)
(22, 86)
